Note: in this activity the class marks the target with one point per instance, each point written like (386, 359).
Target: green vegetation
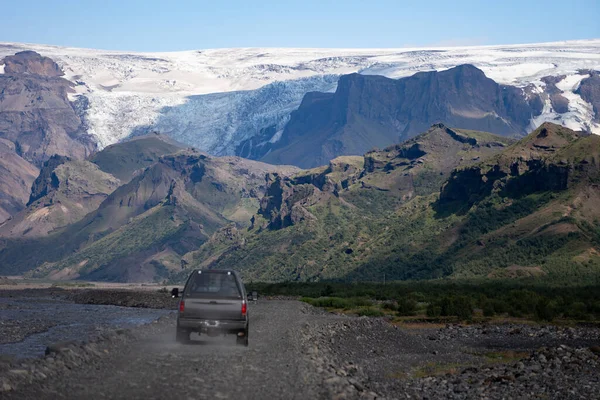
(446, 205)
(501, 215)
(447, 300)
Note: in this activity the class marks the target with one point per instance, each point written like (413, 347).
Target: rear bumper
(212, 326)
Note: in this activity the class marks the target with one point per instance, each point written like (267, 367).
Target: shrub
(488, 308)
(522, 302)
(433, 310)
(577, 310)
(406, 306)
(546, 310)
(459, 306)
(337, 302)
(370, 312)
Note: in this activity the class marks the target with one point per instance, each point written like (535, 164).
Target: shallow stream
(28, 325)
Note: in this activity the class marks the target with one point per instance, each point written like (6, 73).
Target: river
(29, 325)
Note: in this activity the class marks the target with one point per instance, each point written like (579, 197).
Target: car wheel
(182, 336)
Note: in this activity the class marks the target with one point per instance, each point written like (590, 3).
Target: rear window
(213, 284)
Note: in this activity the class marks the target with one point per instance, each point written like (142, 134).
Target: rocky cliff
(374, 111)
(37, 120)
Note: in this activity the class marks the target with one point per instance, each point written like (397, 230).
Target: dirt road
(274, 366)
(299, 352)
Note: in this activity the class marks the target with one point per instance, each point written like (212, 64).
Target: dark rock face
(37, 121)
(30, 62)
(35, 112)
(560, 104)
(284, 202)
(46, 180)
(374, 111)
(16, 177)
(589, 90)
(529, 167)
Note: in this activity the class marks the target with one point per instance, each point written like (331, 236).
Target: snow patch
(580, 114)
(276, 136)
(571, 82)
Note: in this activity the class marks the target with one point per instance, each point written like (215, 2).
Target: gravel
(146, 362)
(125, 298)
(455, 361)
(561, 372)
(15, 330)
(298, 352)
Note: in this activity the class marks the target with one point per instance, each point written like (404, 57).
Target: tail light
(181, 306)
(244, 308)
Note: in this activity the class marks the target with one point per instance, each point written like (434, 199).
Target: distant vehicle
(213, 302)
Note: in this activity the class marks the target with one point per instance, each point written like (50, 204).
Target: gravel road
(151, 364)
(300, 352)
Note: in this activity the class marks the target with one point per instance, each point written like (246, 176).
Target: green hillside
(528, 209)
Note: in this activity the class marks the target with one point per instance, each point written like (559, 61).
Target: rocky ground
(478, 361)
(15, 330)
(4, 281)
(298, 352)
(159, 299)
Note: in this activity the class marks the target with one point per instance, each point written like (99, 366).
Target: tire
(182, 336)
(243, 341)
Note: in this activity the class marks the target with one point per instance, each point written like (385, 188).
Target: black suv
(214, 303)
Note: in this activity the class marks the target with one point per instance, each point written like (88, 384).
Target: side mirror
(175, 292)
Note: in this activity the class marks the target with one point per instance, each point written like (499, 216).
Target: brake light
(244, 308)
(181, 306)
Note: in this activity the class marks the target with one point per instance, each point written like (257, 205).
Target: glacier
(216, 99)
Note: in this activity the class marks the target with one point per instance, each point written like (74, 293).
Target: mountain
(16, 177)
(523, 209)
(374, 111)
(589, 90)
(125, 159)
(64, 192)
(35, 112)
(315, 216)
(140, 230)
(230, 101)
(37, 121)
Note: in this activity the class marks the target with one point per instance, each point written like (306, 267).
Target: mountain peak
(30, 63)
(550, 137)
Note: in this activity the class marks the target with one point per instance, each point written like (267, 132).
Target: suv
(214, 303)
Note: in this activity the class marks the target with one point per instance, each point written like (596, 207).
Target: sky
(153, 25)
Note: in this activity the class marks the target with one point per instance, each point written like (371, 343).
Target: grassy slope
(141, 231)
(340, 238)
(368, 230)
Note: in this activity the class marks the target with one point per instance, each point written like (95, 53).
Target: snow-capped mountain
(217, 99)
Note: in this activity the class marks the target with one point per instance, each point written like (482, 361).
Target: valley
(443, 204)
(300, 200)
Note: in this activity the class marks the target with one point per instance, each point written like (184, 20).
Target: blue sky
(152, 25)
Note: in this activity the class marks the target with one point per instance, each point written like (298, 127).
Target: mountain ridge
(482, 222)
(202, 87)
(374, 111)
